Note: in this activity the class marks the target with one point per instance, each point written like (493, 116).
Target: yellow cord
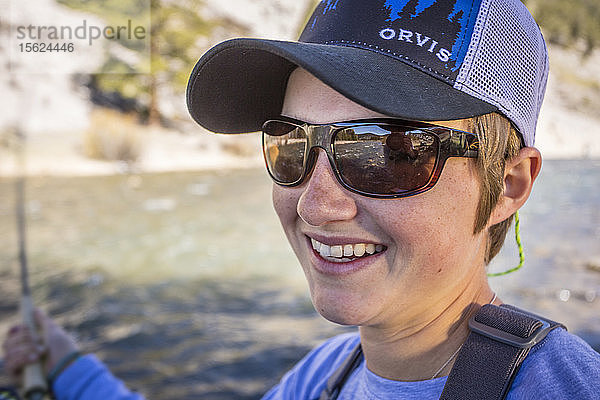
(521, 252)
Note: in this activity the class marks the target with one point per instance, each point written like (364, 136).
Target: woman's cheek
(285, 203)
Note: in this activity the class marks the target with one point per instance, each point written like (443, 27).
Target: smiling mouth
(346, 252)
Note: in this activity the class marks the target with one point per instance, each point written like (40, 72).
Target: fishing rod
(34, 383)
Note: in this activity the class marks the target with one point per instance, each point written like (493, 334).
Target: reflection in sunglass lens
(284, 148)
(384, 159)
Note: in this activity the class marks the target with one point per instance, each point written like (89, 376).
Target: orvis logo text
(416, 39)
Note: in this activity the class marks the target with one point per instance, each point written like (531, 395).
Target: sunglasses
(381, 158)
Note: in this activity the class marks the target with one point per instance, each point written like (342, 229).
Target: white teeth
(370, 248)
(336, 251)
(338, 260)
(348, 250)
(359, 250)
(316, 245)
(340, 253)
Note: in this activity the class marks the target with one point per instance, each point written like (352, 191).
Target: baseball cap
(427, 60)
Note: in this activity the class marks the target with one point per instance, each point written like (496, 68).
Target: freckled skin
(432, 256)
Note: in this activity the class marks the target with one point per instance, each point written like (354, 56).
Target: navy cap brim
(240, 83)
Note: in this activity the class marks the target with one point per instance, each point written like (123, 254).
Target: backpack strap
(500, 339)
(339, 377)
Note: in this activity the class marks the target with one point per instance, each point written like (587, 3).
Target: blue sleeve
(563, 366)
(89, 379)
(308, 378)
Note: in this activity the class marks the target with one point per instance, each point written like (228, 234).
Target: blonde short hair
(498, 142)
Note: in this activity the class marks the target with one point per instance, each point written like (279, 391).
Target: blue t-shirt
(562, 366)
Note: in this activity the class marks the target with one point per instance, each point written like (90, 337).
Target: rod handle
(34, 382)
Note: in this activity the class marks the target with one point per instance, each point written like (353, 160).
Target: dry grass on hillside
(112, 136)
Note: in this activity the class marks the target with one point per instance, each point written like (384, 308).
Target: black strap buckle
(516, 341)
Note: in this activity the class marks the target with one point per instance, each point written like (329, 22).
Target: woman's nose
(323, 199)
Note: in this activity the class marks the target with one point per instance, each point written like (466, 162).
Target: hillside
(54, 110)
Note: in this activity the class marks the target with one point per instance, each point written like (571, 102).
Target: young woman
(399, 137)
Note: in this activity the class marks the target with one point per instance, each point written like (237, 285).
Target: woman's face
(428, 252)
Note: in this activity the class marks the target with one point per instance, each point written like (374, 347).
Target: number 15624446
(46, 47)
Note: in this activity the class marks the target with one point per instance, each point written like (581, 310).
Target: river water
(185, 285)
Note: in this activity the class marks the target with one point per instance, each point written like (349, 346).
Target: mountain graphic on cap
(428, 34)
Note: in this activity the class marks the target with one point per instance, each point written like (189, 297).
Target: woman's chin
(342, 312)
(344, 320)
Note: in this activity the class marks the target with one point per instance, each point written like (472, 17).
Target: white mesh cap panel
(507, 63)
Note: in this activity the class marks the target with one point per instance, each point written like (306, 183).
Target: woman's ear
(519, 174)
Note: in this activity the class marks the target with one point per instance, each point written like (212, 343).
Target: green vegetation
(178, 36)
(115, 12)
(573, 23)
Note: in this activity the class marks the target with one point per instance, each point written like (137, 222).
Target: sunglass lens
(284, 146)
(384, 159)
